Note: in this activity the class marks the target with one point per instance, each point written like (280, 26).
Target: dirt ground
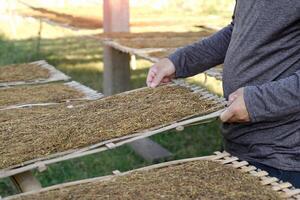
(39, 132)
(194, 180)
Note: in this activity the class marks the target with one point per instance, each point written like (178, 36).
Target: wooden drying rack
(21, 171)
(55, 75)
(89, 94)
(285, 190)
(145, 54)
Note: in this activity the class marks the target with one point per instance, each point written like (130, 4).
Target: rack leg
(26, 182)
(116, 71)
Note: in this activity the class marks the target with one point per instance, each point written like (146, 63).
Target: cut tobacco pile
(22, 72)
(160, 40)
(205, 180)
(153, 35)
(48, 93)
(42, 131)
(142, 43)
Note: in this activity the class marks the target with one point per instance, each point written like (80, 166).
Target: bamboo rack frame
(144, 53)
(89, 94)
(213, 72)
(55, 75)
(41, 163)
(285, 190)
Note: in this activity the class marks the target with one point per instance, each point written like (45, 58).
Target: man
(260, 50)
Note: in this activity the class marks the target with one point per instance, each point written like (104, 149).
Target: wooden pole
(116, 16)
(116, 64)
(116, 71)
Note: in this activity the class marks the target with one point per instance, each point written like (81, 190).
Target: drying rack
(89, 94)
(41, 163)
(285, 190)
(54, 75)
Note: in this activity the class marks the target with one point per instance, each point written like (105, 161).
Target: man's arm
(200, 56)
(273, 100)
(193, 59)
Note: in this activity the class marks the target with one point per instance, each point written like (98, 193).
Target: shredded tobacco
(205, 180)
(152, 35)
(161, 54)
(48, 93)
(75, 21)
(143, 43)
(42, 131)
(22, 72)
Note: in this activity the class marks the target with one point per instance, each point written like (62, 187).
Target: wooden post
(116, 64)
(116, 74)
(26, 182)
(116, 16)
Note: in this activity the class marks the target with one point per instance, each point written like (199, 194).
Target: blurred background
(30, 31)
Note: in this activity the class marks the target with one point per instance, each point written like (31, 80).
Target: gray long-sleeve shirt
(260, 50)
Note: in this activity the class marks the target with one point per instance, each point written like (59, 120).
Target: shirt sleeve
(274, 100)
(202, 55)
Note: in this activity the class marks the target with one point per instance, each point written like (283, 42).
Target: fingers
(151, 75)
(227, 115)
(157, 79)
(232, 98)
(161, 72)
(237, 111)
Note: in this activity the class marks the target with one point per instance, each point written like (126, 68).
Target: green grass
(100, 164)
(12, 52)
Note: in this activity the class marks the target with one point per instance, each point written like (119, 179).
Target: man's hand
(161, 72)
(237, 111)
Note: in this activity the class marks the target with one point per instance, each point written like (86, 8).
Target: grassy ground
(82, 60)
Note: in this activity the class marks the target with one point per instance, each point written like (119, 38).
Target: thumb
(227, 115)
